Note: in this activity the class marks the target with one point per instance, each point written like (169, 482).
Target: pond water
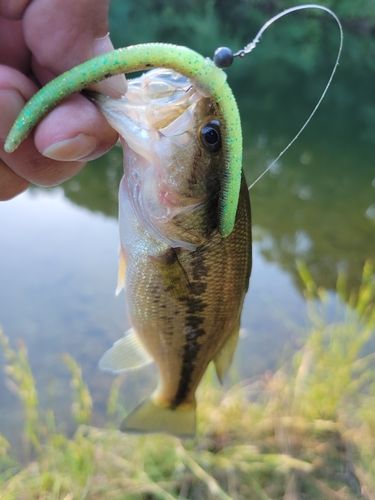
(59, 247)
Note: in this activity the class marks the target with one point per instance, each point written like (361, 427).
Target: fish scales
(218, 274)
(185, 284)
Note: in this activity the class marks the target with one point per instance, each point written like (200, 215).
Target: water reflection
(319, 211)
(96, 187)
(57, 274)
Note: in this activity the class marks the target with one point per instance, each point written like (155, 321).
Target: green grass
(306, 431)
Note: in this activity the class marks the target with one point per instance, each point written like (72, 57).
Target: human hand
(40, 39)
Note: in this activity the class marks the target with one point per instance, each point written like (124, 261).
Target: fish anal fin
(121, 272)
(125, 354)
(150, 417)
(224, 357)
(172, 273)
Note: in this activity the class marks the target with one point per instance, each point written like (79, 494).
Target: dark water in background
(59, 247)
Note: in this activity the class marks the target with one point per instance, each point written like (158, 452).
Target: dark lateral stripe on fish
(195, 305)
(191, 350)
(192, 346)
(199, 268)
(198, 287)
(195, 321)
(193, 335)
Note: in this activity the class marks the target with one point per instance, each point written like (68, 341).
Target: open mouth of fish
(155, 121)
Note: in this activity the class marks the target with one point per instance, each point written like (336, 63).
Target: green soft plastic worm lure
(205, 76)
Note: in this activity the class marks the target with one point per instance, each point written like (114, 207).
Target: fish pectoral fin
(172, 273)
(121, 272)
(125, 354)
(149, 417)
(223, 358)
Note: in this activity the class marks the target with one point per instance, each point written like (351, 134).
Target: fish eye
(210, 136)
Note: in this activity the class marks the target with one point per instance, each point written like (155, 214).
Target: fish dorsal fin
(151, 417)
(125, 354)
(172, 274)
(223, 358)
(121, 272)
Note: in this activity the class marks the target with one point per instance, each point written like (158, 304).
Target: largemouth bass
(185, 284)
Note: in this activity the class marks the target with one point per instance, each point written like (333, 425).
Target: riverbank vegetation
(306, 431)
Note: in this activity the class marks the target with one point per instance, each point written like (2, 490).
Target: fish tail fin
(150, 417)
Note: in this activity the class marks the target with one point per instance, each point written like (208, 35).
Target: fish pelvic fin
(223, 358)
(150, 417)
(126, 354)
(121, 272)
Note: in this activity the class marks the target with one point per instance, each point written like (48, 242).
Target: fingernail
(11, 103)
(116, 83)
(71, 149)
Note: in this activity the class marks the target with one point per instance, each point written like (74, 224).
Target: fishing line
(223, 58)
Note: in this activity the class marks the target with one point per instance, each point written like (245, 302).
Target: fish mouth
(160, 104)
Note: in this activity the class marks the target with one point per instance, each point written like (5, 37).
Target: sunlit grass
(304, 432)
